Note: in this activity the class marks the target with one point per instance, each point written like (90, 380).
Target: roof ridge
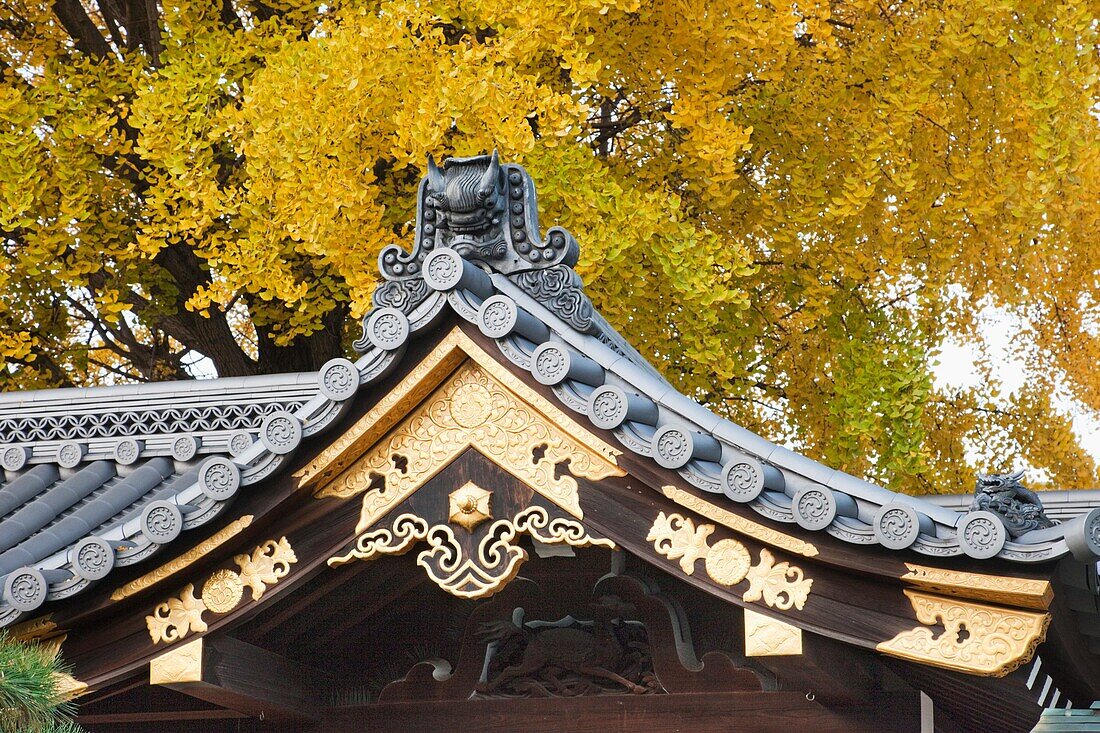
(214, 385)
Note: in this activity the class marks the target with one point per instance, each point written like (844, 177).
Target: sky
(955, 369)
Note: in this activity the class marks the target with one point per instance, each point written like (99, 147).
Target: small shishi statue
(1018, 506)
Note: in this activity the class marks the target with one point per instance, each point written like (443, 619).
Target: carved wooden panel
(530, 641)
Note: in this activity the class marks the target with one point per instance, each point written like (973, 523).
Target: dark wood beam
(254, 681)
(746, 712)
(166, 716)
(101, 695)
(352, 620)
(324, 586)
(834, 674)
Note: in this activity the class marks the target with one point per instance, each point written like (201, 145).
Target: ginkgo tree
(787, 206)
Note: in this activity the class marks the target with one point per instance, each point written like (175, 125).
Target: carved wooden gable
(470, 530)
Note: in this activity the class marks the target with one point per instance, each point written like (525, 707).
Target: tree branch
(74, 19)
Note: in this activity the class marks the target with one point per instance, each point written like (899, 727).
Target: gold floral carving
(181, 616)
(183, 561)
(1027, 592)
(472, 409)
(780, 585)
(452, 350)
(728, 562)
(268, 563)
(769, 637)
(975, 638)
(496, 561)
(738, 523)
(470, 505)
(177, 617)
(182, 663)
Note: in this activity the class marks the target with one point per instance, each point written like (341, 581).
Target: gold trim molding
(738, 523)
(1027, 592)
(455, 348)
(728, 562)
(471, 409)
(37, 629)
(181, 663)
(68, 687)
(977, 639)
(223, 590)
(496, 561)
(43, 633)
(769, 637)
(185, 560)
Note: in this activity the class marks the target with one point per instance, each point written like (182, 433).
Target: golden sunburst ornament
(222, 591)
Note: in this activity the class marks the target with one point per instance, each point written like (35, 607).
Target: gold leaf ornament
(781, 586)
(677, 538)
(728, 562)
(180, 616)
(975, 638)
(177, 617)
(268, 563)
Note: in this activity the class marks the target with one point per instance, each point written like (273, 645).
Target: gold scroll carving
(728, 562)
(37, 629)
(471, 409)
(769, 637)
(452, 351)
(268, 563)
(976, 638)
(1027, 592)
(182, 615)
(738, 523)
(181, 663)
(172, 567)
(496, 561)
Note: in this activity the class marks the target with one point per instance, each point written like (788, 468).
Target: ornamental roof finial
(485, 212)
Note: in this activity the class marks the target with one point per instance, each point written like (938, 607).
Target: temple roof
(101, 478)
